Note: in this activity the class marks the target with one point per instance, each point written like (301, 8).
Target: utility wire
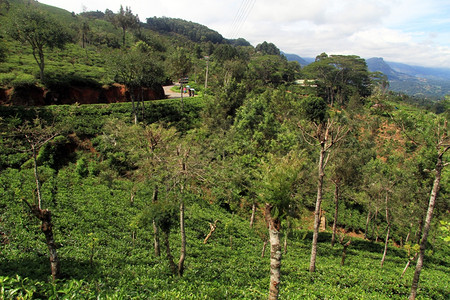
(237, 17)
(241, 16)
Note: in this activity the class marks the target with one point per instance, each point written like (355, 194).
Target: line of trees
(259, 140)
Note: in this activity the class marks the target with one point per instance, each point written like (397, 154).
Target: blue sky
(407, 31)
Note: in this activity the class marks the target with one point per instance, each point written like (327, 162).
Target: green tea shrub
(7, 78)
(23, 81)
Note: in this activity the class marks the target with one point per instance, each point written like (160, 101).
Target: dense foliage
(132, 190)
(195, 32)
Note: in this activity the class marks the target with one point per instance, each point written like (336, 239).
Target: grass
(124, 268)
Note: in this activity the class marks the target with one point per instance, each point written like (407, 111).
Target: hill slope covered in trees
(263, 184)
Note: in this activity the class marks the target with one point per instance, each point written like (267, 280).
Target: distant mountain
(396, 70)
(424, 72)
(302, 61)
(413, 80)
(417, 81)
(377, 64)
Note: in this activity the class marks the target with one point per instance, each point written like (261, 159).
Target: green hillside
(92, 41)
(273, 181)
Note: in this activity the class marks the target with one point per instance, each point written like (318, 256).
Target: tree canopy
(37, 29)
(340, 77)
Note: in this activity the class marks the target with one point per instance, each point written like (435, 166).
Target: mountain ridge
(413, 80)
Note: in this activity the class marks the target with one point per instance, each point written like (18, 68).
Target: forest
(275, 181)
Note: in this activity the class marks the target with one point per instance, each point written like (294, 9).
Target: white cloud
(410, 31)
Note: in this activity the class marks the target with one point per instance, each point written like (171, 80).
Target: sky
(415, 32)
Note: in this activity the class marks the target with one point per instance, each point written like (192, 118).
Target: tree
(325, 133)
(150, 150)
(256, 127)
(220, 111)
(183, 155)
(179, 63)
(340, 77)
(84, 30)
(276, 185)
(344, 172)
(39, 30)
(268, 49)
(124, 19)
(270, 70)
(380, 82)
(136, 69)
(171, 164)
(155, 226)
(442, 146)
(163, 215)
(36, 136)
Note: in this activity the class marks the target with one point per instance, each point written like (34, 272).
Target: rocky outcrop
(37, 96)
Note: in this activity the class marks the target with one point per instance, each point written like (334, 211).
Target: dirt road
(170, 94)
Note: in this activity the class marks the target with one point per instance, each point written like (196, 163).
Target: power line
(237, 17)
(241, 16)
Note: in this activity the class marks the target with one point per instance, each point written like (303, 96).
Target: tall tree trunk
(41, 64)
(252, 218)
(274, 225)
(183, 240)
(386, 245)
(183, 165)
(155, 227)
(336, 207)
(312, 264)
(47, 229)
(45, 216)
(40, 59)
(388, 230)
(426, 228)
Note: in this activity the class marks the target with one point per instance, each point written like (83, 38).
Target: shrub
(23, 81)
(6, 78)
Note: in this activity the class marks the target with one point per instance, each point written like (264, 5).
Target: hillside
(81, 71)
(431, 83)
(93, 182)
(260, 184)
